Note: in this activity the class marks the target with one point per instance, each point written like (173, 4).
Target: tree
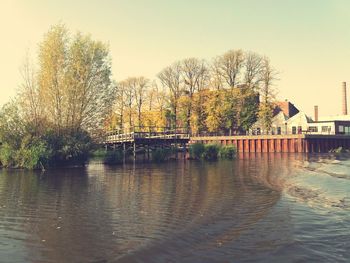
(119, 105)
(267, 93)
(29, 98)
(170, 77)
(129, 100)
(74, 80)
(229, 66)
(252, 70)
(90, 93)
(195, 75)
(53, 60)
(140, 90)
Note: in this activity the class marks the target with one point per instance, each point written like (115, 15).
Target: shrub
(160, 155)
(32, 154)
(211, 152)
(98, 153)
(69, 148)
(113, 157)
(227, 152)
(196, 150)
(36, 155)
(7, 155)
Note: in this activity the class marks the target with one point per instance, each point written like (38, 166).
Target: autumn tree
(89, 90)
(53, 60)
(74, 80)
(194, 75)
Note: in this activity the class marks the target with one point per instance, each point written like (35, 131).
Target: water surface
(258, 208)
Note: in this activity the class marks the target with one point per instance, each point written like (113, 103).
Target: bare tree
(252, 69)
(170, 77)
(129, 99)
(229, 66)
(267, 93)
(119, 105)
(29, 96)
(140, 86)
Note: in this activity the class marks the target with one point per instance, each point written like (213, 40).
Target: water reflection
(175, 212)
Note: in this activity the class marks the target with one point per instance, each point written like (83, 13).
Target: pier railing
(117, 136)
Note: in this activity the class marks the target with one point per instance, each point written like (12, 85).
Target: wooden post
(124, 152)
(184, 151)
(134, 150)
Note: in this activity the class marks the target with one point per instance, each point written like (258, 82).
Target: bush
(113, 157)
(98, 153)
(160, 155)
(196, 150)
(32, 154)
(7, 155)
(227, 152)
(211, 152)
(36, 155)
(70, 148)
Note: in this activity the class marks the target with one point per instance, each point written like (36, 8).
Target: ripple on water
(265, 208)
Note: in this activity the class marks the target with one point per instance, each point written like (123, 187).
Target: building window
(273, 130)
(279, 130)
(326, 128)
(347, 130)
(300, 130)
(313, 129)
(294, 130)
(341, 128)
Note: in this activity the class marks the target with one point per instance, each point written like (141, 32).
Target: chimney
(345, 104)
(316, 114)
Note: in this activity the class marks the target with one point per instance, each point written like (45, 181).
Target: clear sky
(308, 41)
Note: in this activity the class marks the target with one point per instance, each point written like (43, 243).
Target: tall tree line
(226, 95)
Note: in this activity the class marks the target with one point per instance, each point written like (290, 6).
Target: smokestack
(345, 103)
(316, 113)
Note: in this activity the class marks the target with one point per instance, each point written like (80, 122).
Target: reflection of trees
(227, 200)
(63, 215)
(104, 212)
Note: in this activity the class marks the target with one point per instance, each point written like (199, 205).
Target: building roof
(287, 108)
(301, 116)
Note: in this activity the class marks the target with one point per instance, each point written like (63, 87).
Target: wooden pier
(147, 138)
(146, 141)
(152, 138)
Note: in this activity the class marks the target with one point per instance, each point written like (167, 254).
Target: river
(257, 208)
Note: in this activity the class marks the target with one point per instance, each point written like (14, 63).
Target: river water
(258, 208)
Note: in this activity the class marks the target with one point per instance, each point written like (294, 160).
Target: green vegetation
(67, 101)
(196, 150)
(113, 157)
(161, 155)
(225, 95)
(61, 106)
(211, 152)
(227, 152)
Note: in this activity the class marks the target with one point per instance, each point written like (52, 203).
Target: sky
(308, 42)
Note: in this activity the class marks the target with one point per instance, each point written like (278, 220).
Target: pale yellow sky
(307, 41)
